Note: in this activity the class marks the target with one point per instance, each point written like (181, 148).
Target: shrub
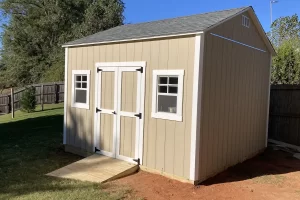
(28, 102)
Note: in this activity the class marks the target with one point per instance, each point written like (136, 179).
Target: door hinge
(140, 70)
(99, 70)
(137, 161)
(96, 149)
(138, 115)
(98, 110)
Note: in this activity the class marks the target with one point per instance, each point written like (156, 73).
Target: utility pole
(271, 13)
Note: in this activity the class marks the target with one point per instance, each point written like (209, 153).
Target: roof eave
(132, 40)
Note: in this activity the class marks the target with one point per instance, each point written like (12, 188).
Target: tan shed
(186, 97)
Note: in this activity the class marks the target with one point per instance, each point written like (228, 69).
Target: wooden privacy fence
(46, 93)
(284, 121)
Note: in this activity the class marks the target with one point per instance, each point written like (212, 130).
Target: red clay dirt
(271, 175)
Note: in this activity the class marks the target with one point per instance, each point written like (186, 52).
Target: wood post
(8, 104)
(56, 93)
(12, 103)
(42, 96)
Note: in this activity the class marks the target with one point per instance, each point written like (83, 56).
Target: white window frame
(81, 105)
(163, 115)
(245, 21)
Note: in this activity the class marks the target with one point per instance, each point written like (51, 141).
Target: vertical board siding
(234, 97)
(166, 143)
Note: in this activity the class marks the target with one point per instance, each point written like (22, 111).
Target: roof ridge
(240, 8)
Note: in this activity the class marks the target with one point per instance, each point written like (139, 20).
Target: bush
(28, 102)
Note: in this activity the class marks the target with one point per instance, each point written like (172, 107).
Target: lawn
(31, 146)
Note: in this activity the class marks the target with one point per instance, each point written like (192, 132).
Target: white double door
(119, 114)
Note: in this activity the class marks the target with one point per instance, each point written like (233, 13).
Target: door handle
(114, 112)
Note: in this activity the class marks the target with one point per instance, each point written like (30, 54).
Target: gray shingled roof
(180, 25)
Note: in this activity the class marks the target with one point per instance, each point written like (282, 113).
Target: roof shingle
(174, 26)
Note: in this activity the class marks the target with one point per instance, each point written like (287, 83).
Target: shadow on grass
(30, 148)
(268, 163)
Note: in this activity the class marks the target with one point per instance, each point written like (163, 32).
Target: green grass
(31, 146)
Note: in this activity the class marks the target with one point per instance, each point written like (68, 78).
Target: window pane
(78, 78)
(84, 78)
(162, 89)
(84, 85)
(78, 85)
(163, 80)
(173, 80)
(173, 89)
(80, 96)
(166, 104)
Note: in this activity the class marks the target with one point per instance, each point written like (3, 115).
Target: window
(167, 94)
(245, 21)
(80, 90)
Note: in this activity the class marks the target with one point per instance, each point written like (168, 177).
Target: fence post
(8, 104)
(56, 93)
(12, 103)
(42, 96)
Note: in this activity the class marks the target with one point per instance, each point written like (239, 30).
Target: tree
(28, 102)
(33, 36)
(286, 65)
(285, 37)
(284, 29)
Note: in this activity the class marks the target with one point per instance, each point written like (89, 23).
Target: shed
(186, 97)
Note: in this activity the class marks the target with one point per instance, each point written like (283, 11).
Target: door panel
(107, 109)
(107, 88)
(106, 132)
(129, 91)
(128, 107)
(127, 136)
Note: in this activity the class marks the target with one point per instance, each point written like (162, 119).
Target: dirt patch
(271, 175)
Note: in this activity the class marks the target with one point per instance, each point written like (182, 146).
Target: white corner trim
(73, 103)
(196, 105)
(134, 39)
(163, 115)
(243, 44)
(65, 96)
(268, 108)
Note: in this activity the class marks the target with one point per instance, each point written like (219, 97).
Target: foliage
(284, 29)
(28, 102)
(285, 37)
(286, 65)
(33, 36)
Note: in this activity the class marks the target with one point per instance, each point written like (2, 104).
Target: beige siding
(166, 143)
(234, 97)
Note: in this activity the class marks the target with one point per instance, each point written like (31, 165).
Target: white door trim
(128, 114)
(97, 119)
(108, 66)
